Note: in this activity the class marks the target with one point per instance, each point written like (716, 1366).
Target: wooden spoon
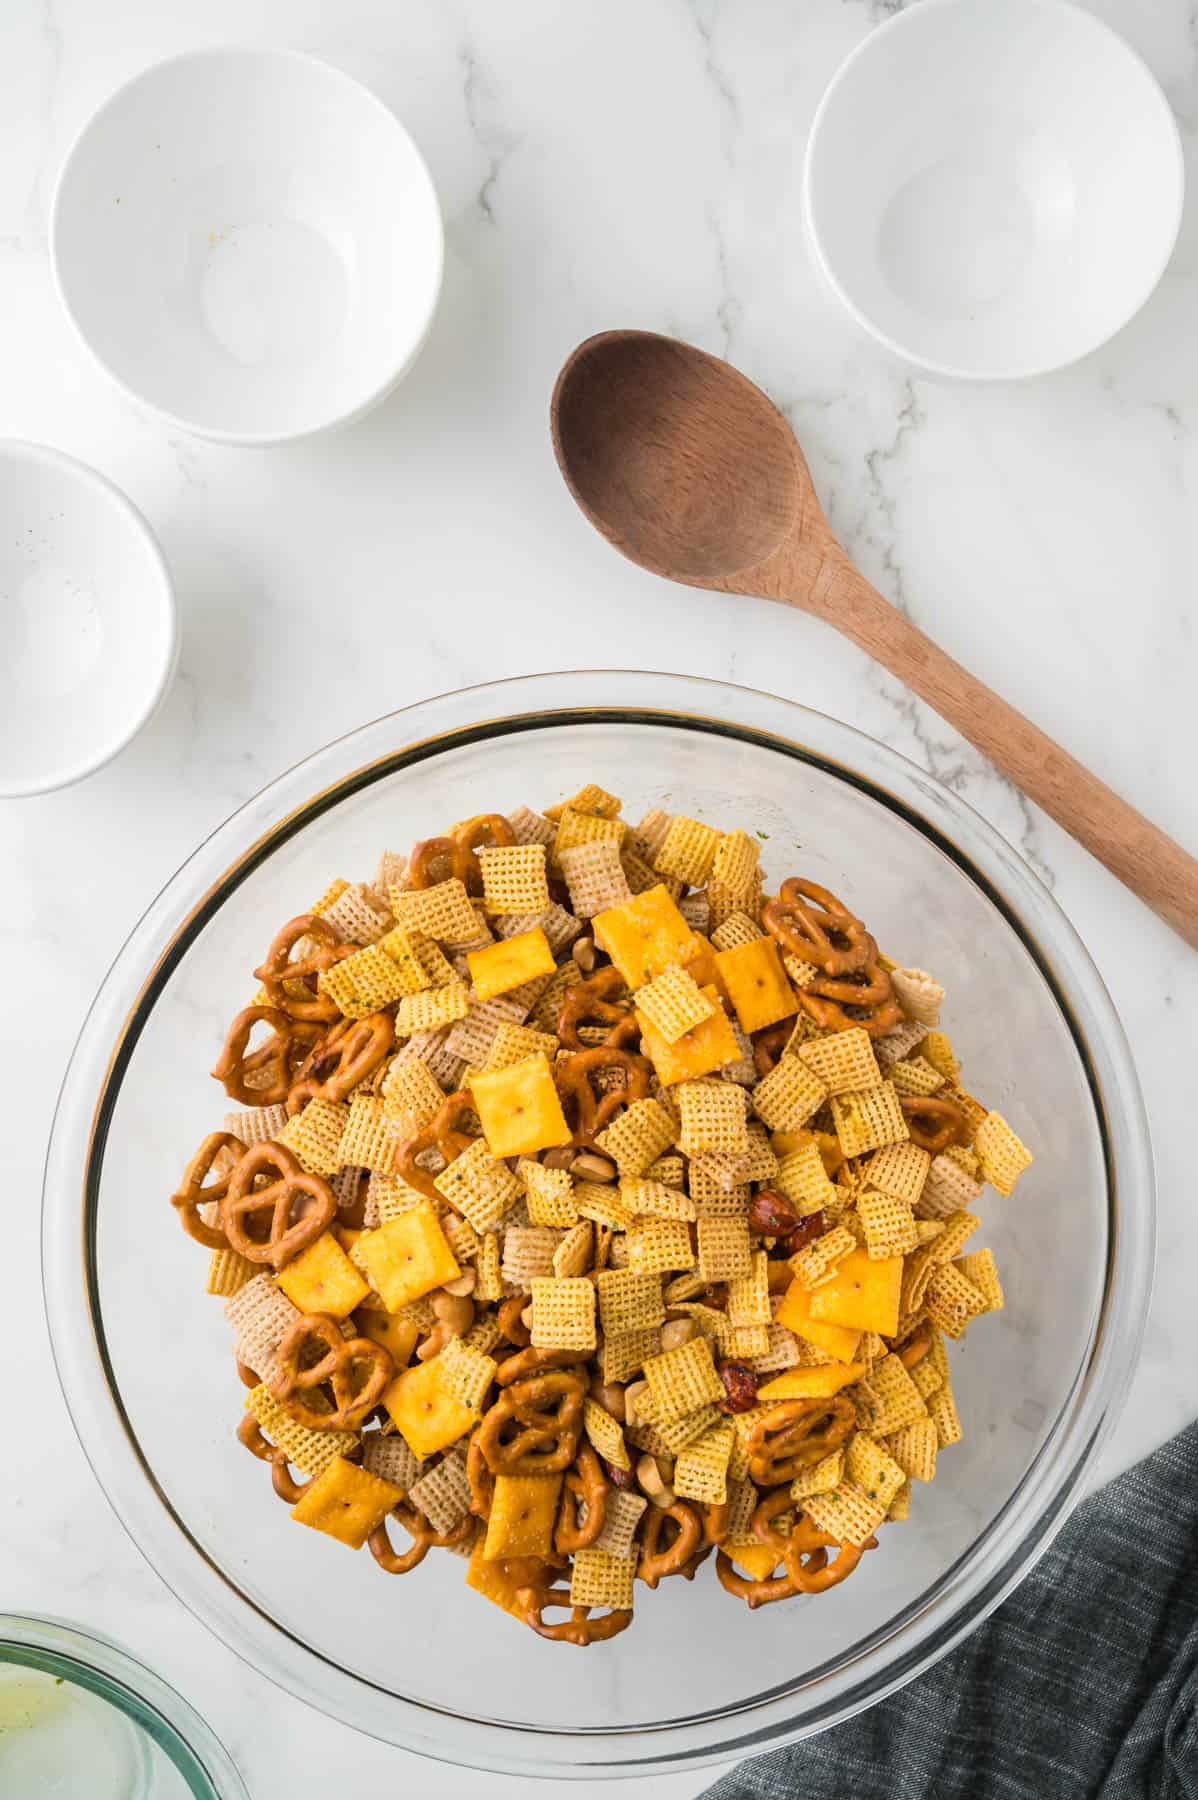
(689, 470)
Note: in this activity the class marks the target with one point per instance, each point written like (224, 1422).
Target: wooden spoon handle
(1147, 861)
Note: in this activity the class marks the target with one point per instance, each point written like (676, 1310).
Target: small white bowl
(87, 619)
(993, 190)
(249, 242)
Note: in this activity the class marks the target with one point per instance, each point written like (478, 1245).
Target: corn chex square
(431, 1008)
(563, 1313)
(914, 1076)
(362, 983)
(749, 1295)
(725, 1249)
(687, 850)
(899, 1170)
(629, 1300)
(573, 1255)
(659, 1246)
(713, 1118)
(638, 1136)
(868, 1118)
(914, 1449)
(737, 928)
(549, 1193)
(1002, 1156)
(681, 1380)
(717, 1194)
(820, 1257)
(624, 1352)
(488, 1279)
(952, 1300)
(311, 1451)
(673, 1003)
(605, 1434)
(845, 1513)
(514, 1044)
(844, 1061)
(442, 912)
(980, 1268)
(656, 1199)
(789, 1095)
(514, 878)
(370, 1139)
(314, 1136)
(869, 1465)
(890, 1226)
(481, 1188)
(228, 1273)
(411, 1093)
(701, 1469)
(821, 1478)
(803, 1179)
(888, 1399)
(599, 1579)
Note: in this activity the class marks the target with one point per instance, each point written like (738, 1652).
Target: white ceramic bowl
(249, 242)
(87, 620)
(993, 190)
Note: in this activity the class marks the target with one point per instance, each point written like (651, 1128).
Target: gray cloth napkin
(1083, 1683)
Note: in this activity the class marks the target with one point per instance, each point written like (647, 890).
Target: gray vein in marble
(482, 115)
(706, 14)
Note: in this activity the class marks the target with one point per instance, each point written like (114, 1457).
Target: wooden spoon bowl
(684, 465)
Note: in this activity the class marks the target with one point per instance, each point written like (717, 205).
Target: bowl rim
(54, 1646)
(25, 450)
(963, 1595)
(365, 95)
(1015, 372)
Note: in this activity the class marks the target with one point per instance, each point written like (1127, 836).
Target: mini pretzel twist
(813, 924)
(912, 1353)
(349, 1052)
(580, 1628)
(795, 1435)
(754, 1593)
(670, 1537)
(438, 859)
(533, 1360)
(356, 1369)
(582, 1509)
(769, 1044)
(546, 1409)
(249, 1432)
(770, 1507)
(289, 1230)
(598, 999)
(807, 1561)
(934, 1124)
(715, 1522)
(279, 974)
(482, 1482)
(865, 997)
(191, 1193)
(276, 1062)
(574, 1077)
(424, 1536)
(442, 1133)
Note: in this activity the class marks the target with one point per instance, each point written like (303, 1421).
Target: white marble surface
(603, 163)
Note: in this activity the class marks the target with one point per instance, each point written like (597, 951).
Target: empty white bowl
(993, 190)
(249, 242)
(87, 620)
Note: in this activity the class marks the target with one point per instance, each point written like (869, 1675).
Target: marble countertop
(604, 163)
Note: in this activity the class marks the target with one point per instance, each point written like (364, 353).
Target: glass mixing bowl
(424, 1662)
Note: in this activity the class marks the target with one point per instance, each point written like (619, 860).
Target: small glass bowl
(425, 1663)
(77, 1711)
